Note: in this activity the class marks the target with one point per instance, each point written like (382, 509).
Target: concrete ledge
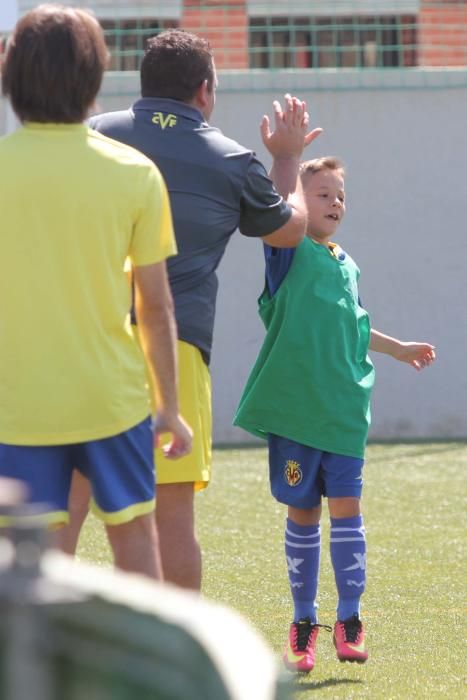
(256, 80)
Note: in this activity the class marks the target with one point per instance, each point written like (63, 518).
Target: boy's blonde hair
(317, 164)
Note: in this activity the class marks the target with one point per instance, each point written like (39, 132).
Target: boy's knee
(305, 516)
(344, 507)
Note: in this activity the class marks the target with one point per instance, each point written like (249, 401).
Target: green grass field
(414, 607)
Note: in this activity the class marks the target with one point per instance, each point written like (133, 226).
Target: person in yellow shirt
(216, 187)
(75, 205)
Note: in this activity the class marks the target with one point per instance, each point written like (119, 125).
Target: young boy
(309, 395)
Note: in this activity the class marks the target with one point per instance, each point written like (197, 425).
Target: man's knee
(175, 501)
(135, 546)
(140, 528)
(184, 489)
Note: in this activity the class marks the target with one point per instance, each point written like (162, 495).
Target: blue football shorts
(301, 475)
(120, 470)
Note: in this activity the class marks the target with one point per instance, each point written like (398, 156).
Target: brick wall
(442, 35)
(224, 26)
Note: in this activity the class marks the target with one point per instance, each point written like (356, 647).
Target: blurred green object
(72, 631)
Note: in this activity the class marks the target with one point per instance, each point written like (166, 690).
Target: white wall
(8, 15)
(405, 150)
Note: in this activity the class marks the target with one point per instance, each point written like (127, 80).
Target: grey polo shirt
(215, 185)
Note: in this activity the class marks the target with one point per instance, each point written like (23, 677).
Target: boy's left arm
(418, 355)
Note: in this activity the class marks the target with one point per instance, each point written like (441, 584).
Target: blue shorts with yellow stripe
(301, 475)
(120, 470)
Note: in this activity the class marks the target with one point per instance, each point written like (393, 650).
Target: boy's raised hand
(290, 136)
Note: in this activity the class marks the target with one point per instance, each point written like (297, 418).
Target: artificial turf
(414, 607)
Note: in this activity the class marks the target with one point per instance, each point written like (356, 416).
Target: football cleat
(349, 640)
(299, 653)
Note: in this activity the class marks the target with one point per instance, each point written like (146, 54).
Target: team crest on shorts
(292, 473)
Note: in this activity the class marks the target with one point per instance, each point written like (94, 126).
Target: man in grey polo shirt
(215, 186)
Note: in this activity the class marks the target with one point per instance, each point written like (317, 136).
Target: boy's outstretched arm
(418, 355)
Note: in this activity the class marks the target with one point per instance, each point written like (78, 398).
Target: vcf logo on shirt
(164, 120)
(292, 473)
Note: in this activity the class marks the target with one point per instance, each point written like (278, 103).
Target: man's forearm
(159, 342)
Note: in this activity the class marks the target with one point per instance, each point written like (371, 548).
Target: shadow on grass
(299, 687)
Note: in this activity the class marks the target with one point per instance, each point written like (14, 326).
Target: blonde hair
(318, 164)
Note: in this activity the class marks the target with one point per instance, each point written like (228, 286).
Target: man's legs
(135, 546)
(179, 547)
(180, 553)
(121, 472)
(78, 506)
(177, 481)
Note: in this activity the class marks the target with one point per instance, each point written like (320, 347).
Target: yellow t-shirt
(73, 206)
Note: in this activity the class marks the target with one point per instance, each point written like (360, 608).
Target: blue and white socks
(348, 556)
(302, 551)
